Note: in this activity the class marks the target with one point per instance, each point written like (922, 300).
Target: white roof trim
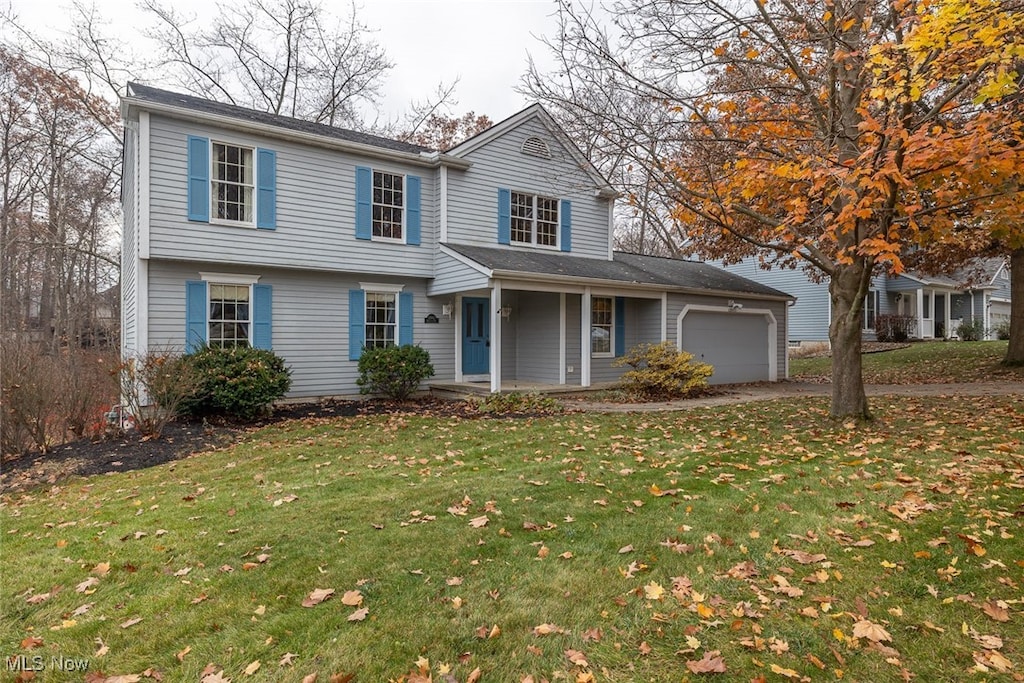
(428, 159)
(466, 261)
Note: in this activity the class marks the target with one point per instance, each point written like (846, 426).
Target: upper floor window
(601, 325)
(229, 319)
(534, 220)
(232, 183)
(388, 205)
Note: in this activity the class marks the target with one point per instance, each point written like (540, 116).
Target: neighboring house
(496, 257)
(937, 304)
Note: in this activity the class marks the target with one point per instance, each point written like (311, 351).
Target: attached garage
(740, 343)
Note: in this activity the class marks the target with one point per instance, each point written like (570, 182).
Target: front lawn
(759, 539)
(922, 363)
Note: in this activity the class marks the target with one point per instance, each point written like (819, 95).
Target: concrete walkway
(747, 393)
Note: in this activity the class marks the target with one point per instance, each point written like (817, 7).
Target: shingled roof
(167, 98)
(637, 269)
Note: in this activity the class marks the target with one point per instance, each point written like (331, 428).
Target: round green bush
(236, 381)
(394, 371)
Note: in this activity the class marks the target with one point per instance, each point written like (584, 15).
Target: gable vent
(536, 147)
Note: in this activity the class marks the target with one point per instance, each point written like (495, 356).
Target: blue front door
(476, 336)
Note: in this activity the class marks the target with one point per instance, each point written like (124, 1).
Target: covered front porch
(937, 312)
(546, 337)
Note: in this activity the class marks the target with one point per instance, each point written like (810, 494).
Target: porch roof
(634, 269)
(978, 274)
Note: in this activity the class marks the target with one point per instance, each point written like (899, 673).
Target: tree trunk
(1015, 349)
(846, 290)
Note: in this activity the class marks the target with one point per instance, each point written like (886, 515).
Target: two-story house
(242, 227)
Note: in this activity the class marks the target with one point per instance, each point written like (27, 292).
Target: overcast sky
(484, 43)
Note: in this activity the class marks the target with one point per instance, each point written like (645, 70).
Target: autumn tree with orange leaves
(834, 135)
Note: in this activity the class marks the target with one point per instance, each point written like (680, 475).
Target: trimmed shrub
(1002, 330)
(971, 330)
(893, 328)
(154, 388)
(660, 371)
(393, 371)
(236, 381)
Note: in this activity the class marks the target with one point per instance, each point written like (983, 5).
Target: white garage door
(736, 344)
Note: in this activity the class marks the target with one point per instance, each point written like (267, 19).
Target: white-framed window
(232, 181)
(230, 315)
(534, 220)
(381, 319)
(602, 325)
(870, 309)
(388, 205)
(1004, 274)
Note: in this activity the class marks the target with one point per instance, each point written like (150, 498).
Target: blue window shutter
(266, 189)
(405, 318)
(198, 179)
(504, 216)
(565, 218)
(364, 203)
(195, 315)
(356, 323)
(620, 326)
(262, 316)
(412, 209)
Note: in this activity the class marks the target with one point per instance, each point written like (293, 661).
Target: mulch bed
(181, 439)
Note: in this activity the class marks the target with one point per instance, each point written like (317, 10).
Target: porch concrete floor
(466, 389)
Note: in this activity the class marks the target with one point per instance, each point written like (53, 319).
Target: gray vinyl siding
(129, 243)
(452, 275)
(809, 316)
(315, 210)
(473, 194)
(310, 322)
(538, 332)
(1002, 284)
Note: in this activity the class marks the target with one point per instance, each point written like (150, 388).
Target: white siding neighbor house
(249, 228)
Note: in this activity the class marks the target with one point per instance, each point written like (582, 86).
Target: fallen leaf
(546, 629)
(787, 673)
(317, 596)
(577, 658)
(871, 631)
(180, 656)
(86, 585)
(101, 569)
(31, 642)
(478, 522)
(131, 622)
(352, 598)
(359, 614)
(710, 663)
(996, 609)
(252, 668)
(474, 675)
(626, 549)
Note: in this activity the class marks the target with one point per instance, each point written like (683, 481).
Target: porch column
(562, 338)
(949, 315)
(585, 338)
(457, 315)
(496, 337)
(664, 318)
(920, 313)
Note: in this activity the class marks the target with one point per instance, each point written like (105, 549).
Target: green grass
(923, 363)
(377, 510)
